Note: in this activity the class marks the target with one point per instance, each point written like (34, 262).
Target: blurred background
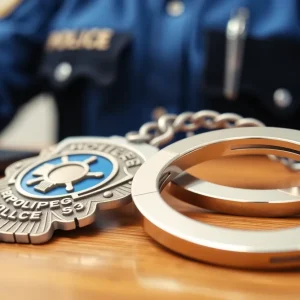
(34, 126)
(114, 65)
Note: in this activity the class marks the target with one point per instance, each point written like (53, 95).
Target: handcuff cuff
(216, 245)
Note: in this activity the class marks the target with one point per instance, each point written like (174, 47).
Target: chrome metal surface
(228, 247)
(236, 201)
(164, 130)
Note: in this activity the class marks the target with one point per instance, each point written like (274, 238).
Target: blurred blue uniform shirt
(165, 57)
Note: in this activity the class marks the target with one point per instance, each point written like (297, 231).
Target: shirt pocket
(269, 83)
(86, 70)
(99, 56)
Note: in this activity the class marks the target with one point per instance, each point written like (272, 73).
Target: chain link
(164, 130)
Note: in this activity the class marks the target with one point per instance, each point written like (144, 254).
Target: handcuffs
(227, 247)
(65, 184)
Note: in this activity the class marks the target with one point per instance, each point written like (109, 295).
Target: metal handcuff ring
(228, 247)
(235, 201)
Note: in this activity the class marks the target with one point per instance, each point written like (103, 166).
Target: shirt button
(62, 72)
(282, 98)
(158, 112)
(175, 8)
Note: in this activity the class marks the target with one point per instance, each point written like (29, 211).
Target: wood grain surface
(114, 259)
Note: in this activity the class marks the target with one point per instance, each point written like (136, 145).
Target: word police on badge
(63, 186)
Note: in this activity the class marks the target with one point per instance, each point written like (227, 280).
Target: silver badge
(63, 186)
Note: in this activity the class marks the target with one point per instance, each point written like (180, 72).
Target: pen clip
(236, 33)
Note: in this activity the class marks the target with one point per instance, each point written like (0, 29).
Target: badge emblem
(62, 188)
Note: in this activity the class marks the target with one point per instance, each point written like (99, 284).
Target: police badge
(62, 188)
(65, 184)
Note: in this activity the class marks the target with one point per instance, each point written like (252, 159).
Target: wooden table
(114, 259)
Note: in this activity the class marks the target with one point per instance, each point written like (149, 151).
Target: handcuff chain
(164, 130)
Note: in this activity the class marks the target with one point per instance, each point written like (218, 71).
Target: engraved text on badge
(63, 189)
